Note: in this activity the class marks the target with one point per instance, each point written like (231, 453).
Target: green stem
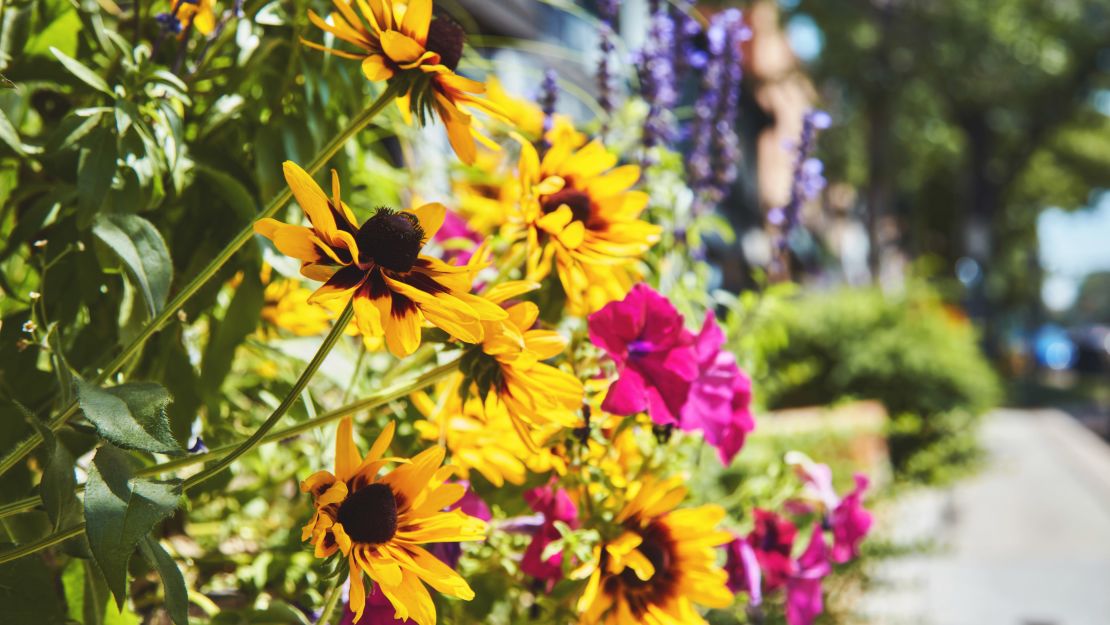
(290, 398)
(49, 541)
(28, 445)
(370, 402)
(330, 600)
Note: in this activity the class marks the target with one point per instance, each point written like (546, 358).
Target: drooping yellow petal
(375, 68)
(401, 48)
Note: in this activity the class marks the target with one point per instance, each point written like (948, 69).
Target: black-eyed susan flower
(579, 213)
(506, 370)
(662, 563)
(481, 436)
(196, 13)
(400, 43)
(394, 287)
(379, 522)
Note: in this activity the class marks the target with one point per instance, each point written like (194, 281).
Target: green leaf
(95, 170)
(9, 135)
(132, 415)
(177, 595)
(72, 129)
(84, 74)
(28, 593)
(231, 191)
(58, 487)
(120, 510)
(143, 251)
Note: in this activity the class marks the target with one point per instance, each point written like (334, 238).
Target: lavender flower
(607, 12)
(657, 76)
(549, 96)
(689, 47)
(715, 154)
(808, 179)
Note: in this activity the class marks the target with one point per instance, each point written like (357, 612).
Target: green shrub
(909, 351)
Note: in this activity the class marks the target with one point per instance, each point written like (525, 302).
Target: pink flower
(645, 337)
(457, 238)
(554, 505)
(817, 478)
(850, 523)
(772, 540)
(803, 588)
(719, 401)
(743, 570)
(378, 611)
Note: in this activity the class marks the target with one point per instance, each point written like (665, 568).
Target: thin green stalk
(290, 398)
(330, 601)
(49, 541)
(132, 350)
(370, 402)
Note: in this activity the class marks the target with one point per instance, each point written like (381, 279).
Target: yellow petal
(346, 454)
(401, 48)
(430, 217)
(418, 16)
(312, 199)
(375, 69)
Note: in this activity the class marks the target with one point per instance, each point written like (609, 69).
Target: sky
(1072, 244)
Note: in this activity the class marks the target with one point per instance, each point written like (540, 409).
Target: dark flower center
(640, 348)
(369, 515)
(446, 38)
(656, 553)
(578, 201)
(482, 370)
(392, 239)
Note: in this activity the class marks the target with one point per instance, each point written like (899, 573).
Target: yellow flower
(578, 212)
(286, 306)
(481, 439)
(400, 43)
(394, 287)
(506, 369)
(379, 522)
(527, 116)
(663, 562)
(197, 12)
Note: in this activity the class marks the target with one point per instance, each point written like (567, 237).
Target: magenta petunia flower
(850, 523)
(803, 588)
(743, 570)
(772, 540)
(554, 505)
(719, 401)
(457, 238)
(654, 354)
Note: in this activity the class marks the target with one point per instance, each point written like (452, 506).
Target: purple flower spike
(714, 160)
(808, 179)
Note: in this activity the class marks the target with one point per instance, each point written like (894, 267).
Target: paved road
(1026, 542)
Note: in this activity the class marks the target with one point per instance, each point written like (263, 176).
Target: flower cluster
(763, 561)
(679, 378)
(563, 378)
(808, 179)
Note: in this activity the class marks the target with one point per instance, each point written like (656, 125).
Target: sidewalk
(1025, 542)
